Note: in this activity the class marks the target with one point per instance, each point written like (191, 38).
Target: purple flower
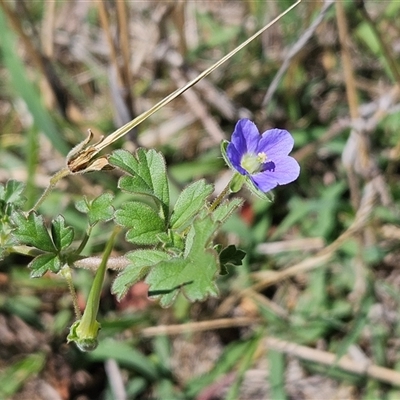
(262, 158)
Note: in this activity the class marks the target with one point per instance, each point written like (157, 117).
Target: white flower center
(252, 163)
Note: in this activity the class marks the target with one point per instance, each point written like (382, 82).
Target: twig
(105, 23)
(303, 244)
(351, 90)
(115, 378)
(222, 323)
(345, 363)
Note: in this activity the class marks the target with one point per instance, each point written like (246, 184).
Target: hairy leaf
(32, 232)
(189, 203)
(194, 273)
(12, 192)
(145, 226)
(62, 235)
(147, 174)
(43, 263)
(141, 263)
(98, 209)
(230, 255)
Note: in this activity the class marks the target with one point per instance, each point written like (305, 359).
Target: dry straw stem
(195, 327)
(302, 244)
(105, 23)
(329, 359)
(116, 379)
(346, 60)
(122, 13)
(356, 157)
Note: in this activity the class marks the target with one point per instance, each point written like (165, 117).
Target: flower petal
(286, 170)
(275, 143)
(235, 158)
(245, 137)
(264, 182)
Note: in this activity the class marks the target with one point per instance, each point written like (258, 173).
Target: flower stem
(220, 197)
(84, 241)
(53, 182)
(66, 273)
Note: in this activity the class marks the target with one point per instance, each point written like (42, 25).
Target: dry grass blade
(221, 323)
(329, 359)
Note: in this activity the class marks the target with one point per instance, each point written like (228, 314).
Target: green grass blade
(276, 362)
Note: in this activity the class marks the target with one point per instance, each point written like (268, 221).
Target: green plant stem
(84, 332)
(31, 151)
(66, 273)
(221, 196)
(84, 240)
(53, 182)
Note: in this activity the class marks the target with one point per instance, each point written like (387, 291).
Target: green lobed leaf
(189, 203)
(231, 255)
(141, 263)
(43, 263)
(32, 232)
(125, 161)
(98, 209)
(62, 235)
(194, 273)
(101, 208)
(83, 205)
(148, 174)
(12, 192)
(145, 226)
